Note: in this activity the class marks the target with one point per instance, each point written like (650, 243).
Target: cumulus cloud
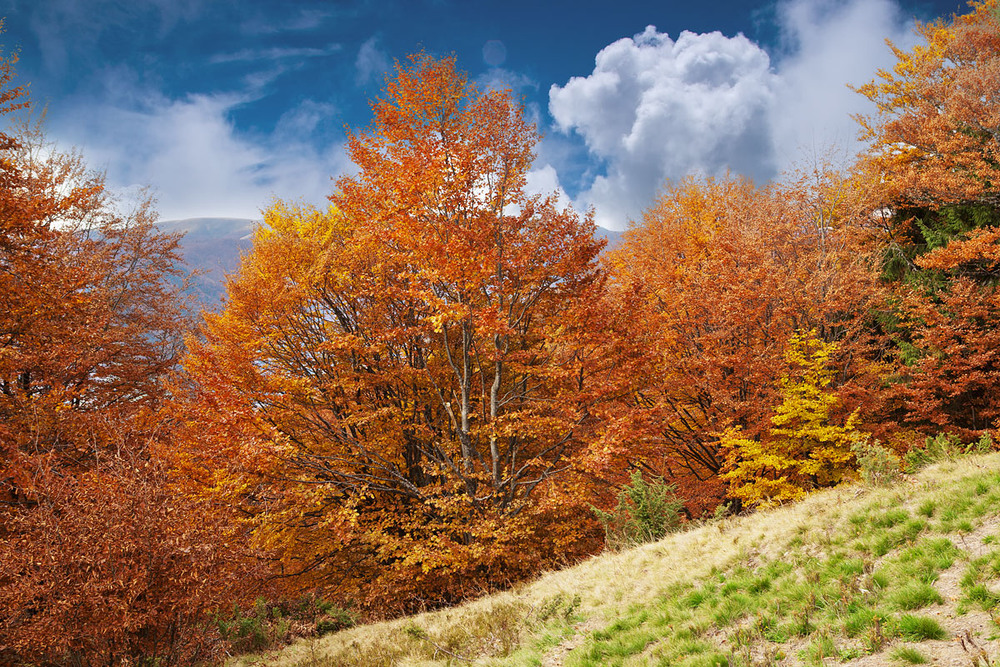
(200, 165)
(829, 45)
(656, 109)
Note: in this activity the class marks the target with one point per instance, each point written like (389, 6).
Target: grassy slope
(858, 575)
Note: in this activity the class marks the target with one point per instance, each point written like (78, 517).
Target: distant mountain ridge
(212, 247)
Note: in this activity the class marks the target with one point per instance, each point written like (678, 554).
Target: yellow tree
(804, 449)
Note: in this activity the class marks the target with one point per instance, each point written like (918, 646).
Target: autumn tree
(727, 271)
(403, 358)
(947, 336)
(934, 135)
(91, 319)
(101, 561)
(934, 160)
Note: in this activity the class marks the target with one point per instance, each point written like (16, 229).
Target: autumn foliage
(111, 566)
(430, 375)
(934, 135)
(101, 561)
(424, 390)
(402, 357)
(934, 160)
(727, 272)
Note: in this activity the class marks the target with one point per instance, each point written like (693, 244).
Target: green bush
(646, 512)
(269, 625)
(944, 446)
(254, 629)
(940, 447)
(876, 464)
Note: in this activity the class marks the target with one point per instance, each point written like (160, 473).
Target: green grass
(841, 594)
(833, 581)
(909, 655)
(916, 595)
(815, 598)
(918, 628)
(820, 648)
(975, 592)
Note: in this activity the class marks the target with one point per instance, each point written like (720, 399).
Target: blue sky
(220, 105)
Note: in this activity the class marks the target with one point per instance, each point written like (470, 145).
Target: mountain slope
(211, 247)
(861, 575)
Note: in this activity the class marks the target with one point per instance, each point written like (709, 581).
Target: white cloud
(64, 29)
(828, 46)
(500, 78)
(199, 165)
(305, 19)
(372, 62)
(544, 181)
(277, 53)
(655, 108)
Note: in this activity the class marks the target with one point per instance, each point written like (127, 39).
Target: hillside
(211, 247)
(858, 575)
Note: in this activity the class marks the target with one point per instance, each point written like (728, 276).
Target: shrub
(937, 448)
(646, 512)
(945, 446)
(876, 464)
(268, 625)
(110, 566)
(260, 627)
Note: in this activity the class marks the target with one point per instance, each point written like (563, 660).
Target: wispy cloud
(372, 62)
(275, 53)
(198, 162)
(65, 29)
(305, 19)
(500, 78)
(827, 46)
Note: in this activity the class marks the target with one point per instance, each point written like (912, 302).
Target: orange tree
(725, 272)
(934, 133)
(935, 156)
(100, 561)
(403, 359)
